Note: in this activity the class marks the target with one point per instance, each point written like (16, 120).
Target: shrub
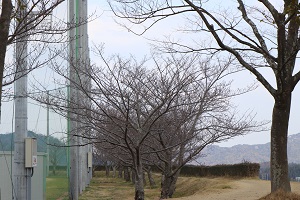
(245, 169)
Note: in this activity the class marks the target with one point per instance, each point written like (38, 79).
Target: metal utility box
(90, 160)
(30, 152)
(38, 180)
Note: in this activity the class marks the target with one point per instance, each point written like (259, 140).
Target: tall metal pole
(79, 62)
(48, 126)
(84, 67)
(74, 176)
(87, 173)
(22, 180)
(79, 56)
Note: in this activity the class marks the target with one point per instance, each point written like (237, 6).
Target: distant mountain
(259, 153)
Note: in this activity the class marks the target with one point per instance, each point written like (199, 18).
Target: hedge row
(239, 170)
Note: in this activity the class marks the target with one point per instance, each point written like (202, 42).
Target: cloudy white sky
(118, 40)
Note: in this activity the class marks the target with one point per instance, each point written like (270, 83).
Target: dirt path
(240, 189)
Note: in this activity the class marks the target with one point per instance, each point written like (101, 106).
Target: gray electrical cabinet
(38, 180)
(90, 160)
(30, 152)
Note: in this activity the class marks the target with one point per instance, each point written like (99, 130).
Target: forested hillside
(57, 151)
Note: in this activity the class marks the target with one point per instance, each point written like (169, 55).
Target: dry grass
(108, 188)
(187, 186)
(281, 195)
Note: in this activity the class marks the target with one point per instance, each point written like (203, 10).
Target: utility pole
(48, 134)
(22, 178)
(79, 66)
(88, 86)
(79, 62)
(72, 121)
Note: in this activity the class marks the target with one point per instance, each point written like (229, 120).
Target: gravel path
(239, 190)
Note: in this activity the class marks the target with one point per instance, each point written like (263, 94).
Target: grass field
(109, 188)
(56, 188)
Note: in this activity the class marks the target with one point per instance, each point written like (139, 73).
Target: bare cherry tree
(259, 34)
(135, 98)
(134, 109)
(204, 116)
(127, 100)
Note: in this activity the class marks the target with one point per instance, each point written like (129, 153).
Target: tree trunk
(54, 169)
(169, 185)
(114, 170)
(172, 188)
(165, 185)
(279, 134)
(93, 171)
(5, 19)
(133, 176)
(54, 163)
(144, 179)
(107, 169)
(120, 174)
(126, 174)
(139, 182)
(151, 180)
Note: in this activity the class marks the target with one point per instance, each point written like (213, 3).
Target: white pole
(79, 58)
(22, 180)
(48, 135)
(88, 83)
(80, 62)
(74, 176)
(86, 80)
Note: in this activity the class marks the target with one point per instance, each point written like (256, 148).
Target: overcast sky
(118, 40)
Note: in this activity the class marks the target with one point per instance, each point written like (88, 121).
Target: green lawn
(56, 188)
